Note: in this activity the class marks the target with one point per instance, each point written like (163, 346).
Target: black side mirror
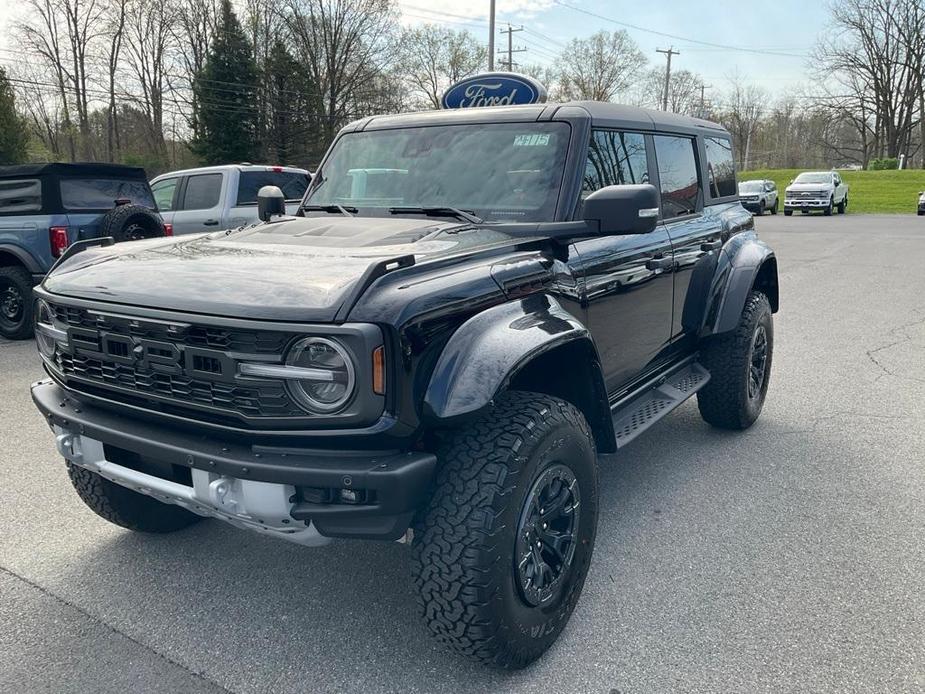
(270, 203)
(630, 209)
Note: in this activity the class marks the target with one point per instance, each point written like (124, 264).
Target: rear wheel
(122, 506)
(739, 363)
(502, 549)
(15, 303)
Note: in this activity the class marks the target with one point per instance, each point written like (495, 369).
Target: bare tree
(433, 57)
(192, 31)
(683, 91)
(599, 67)
(342, 43)
(115, 19)
(743, 114)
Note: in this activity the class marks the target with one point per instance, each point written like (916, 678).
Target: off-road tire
(828, 210)
(131, 222)
(724, 401)
(124, 507)
(16, 279)
(843, 205)
(464, 542)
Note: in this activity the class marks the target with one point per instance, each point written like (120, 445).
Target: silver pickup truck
(211, 198)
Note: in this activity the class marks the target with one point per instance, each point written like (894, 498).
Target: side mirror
(630, 209)
(270, 202)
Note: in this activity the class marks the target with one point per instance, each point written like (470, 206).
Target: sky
(765, 43)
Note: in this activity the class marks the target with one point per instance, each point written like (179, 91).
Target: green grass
(881, 192)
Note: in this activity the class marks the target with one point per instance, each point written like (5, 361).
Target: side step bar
(645, 409)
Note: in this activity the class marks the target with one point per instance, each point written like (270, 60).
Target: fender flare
(488, 350)
(23, 257)
(743, 265)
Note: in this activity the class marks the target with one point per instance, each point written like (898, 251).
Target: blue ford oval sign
(494, 89)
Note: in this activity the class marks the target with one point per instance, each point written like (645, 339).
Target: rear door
(23, 224)
(167, 195)
(626, 280)
(200, 207)
(689, 217)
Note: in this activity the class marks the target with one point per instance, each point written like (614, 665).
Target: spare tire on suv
(130, 223)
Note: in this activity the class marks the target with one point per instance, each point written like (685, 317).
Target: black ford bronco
(468, 308)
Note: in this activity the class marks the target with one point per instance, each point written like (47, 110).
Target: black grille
(128, 358)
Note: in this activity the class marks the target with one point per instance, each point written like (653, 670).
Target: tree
(226, 94)
(344, 45)
(742, 117)
(14, 136)
(599, 67)
(293, 103)
(683, 91)
(432, 58)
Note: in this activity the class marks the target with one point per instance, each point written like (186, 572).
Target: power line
(510, 31)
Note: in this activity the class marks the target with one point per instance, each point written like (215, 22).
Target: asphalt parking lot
(787, 558)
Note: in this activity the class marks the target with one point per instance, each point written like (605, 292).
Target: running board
(645, 409)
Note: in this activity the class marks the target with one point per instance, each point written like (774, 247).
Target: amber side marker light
(379, 370)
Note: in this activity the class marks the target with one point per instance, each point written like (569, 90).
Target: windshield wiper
(333, 209)
(439, 212)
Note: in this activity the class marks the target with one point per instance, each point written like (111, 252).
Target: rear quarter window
(102, 193)
(21, 196)
(721, 170)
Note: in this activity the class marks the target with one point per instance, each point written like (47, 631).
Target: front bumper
(273, 489)
(797, 204)
(751, 205)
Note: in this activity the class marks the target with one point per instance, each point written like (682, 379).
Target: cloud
(465, 13)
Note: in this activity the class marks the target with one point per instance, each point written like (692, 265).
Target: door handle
(659, 263)
(708, 246)
(211, 222)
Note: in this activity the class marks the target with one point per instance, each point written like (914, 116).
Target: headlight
(327, 374)
(46, 334)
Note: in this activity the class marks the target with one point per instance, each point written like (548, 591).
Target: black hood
(299, 269)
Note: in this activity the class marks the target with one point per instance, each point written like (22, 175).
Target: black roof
(76, 169)
(602, 114)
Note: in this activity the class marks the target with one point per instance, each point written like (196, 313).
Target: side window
(614, 158)
(721, 169)
(677, 172)
(202, 191)
(163, 193)
(20, 196)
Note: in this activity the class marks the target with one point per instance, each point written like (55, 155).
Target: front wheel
(843, 205)
(122, 506)
(828, 210)
(774, 207)
(502, 550)
(788, 213)
(739, 363)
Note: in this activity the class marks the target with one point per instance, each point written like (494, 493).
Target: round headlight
(334, 380)
(44, 318)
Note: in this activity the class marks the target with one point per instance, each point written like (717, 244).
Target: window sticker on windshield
(532, 140)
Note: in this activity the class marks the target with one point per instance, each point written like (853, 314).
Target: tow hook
(68, 446)
(222, 495)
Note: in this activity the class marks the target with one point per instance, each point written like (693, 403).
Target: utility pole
(668, 52)
(491, 37)
(509, 63)
(702, 112)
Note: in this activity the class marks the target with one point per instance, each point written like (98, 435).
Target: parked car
(758, 195)
(212, 198)
(46, 207)
(434, 352)
(816, 190)
(921, 207)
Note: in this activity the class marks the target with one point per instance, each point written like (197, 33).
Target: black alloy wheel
(12, 306)
(546, 535)
(758, 369)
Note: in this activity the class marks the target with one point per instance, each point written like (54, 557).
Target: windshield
(813, 178)
(500, 172)
(751, 187)
(292, 183)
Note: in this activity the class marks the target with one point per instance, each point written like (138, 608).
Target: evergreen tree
(226, 95)
(293, 105)
(14, 137)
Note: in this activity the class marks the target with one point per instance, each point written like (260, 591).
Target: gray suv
(759, 195)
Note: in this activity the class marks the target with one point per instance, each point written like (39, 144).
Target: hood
(300, 269)
(800, 187)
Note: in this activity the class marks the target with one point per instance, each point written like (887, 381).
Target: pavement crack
(199, 675)
(903, 338)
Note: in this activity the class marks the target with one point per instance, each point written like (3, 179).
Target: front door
(626, 281)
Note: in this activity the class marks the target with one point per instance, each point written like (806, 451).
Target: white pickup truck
(211, 198)
(816, 190)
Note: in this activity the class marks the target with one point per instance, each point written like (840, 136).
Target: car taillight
(57, 238)
(168, 229)
(276, 169)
